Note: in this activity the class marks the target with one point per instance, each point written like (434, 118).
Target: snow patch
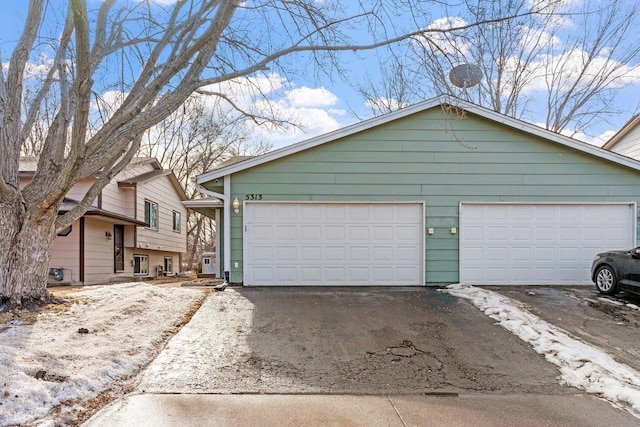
(581, 365)
(126, 324)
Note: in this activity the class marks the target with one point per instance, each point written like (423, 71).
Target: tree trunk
(26, 239)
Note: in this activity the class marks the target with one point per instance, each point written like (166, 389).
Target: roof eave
(628, 127)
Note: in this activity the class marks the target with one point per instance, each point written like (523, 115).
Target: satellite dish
(465, 75)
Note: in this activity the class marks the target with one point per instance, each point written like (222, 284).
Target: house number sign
(253, 197)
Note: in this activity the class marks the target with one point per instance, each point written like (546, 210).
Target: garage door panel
(383, 254)
(263, 233)
(407, 255)
(261, 253)
(335, 232)
(310, 253)
(311, 233)
(335, 253)
(334, 244)
(539, 243)
(286, 254)
(358, 232)
(359, 254)
(335, 275)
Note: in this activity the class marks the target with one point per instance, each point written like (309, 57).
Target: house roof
(628, 127)
(413, 109)
(148, 176)
(206, 206)
(29, 165)
(235, 159)
(68, 204)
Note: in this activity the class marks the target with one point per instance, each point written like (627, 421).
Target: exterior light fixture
(107, 235)
(236, 205)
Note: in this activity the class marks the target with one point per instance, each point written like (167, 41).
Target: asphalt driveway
(370, 356)
(352, 341)
(611, 323)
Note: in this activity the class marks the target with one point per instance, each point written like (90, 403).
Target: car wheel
(606, 281)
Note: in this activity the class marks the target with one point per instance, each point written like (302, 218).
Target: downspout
(227, 221)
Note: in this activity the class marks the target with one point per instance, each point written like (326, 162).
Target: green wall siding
(441, 160)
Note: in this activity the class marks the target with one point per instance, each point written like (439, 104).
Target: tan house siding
(98, 253)
(160, 191)
(66, 254)
(90, 257)
(629, 145)
(79, 190)
(122, 200)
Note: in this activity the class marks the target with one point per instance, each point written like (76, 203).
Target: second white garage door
(333, 244)
(510, 244)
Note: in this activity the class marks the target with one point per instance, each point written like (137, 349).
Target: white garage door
(510, 244)
(333, 244)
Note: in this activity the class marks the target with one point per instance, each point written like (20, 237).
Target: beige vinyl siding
(160, 191)
(80, 189)
(66, 253)
(122, 200)
(441, 159)
(629, 145)
(98, 252)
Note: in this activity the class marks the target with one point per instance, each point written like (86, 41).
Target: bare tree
(201, 134)
(154, 57)
(571, 61)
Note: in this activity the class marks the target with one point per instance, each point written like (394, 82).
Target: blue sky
(317, 102)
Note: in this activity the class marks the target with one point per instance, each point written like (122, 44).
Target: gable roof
(148, 176)
(628, 127)
(28, 167)
(413, 109)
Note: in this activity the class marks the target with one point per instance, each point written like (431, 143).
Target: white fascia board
(425, 105)
(204, 203)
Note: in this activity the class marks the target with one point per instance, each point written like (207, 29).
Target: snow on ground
(78, 351)
(581, 365)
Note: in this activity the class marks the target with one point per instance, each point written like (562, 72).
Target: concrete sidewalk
(348, 410)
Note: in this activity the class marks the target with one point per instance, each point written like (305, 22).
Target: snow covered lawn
(70, 358)
(581, 365)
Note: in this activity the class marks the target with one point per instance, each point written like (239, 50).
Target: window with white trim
(141, 265)
(151, 214)
(176, 221)
(168, 264)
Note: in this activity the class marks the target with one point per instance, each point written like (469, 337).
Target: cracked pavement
(374, 341)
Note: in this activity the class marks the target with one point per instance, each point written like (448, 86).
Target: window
(141, 264)
(151, 214)
(65, 232)
(168, 264)
(118, 247)
(176, 221)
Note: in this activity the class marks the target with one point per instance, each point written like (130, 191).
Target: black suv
(615, 271)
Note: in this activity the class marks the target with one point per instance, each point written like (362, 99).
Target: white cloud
(306, 111)
(447, 42)
(108, 101)
(309, 122)
(311, 97)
